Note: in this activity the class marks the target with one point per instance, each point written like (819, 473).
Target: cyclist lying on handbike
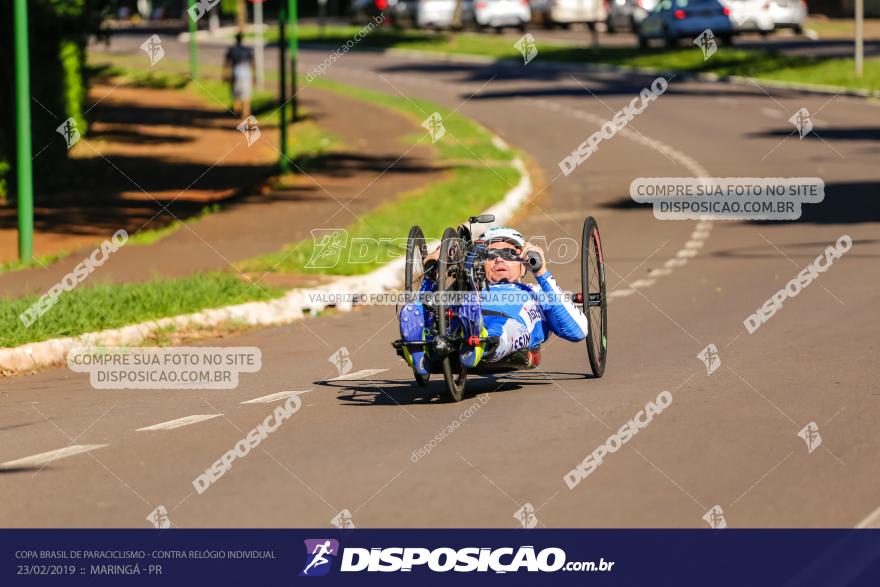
(514, 312)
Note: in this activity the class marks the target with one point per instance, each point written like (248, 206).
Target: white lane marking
(274, 397)
(703, 228)
(642, 283)
(621, 293)
(43, 458)
(872, 521)
(179, 423)
(362, 374)
(659, 272)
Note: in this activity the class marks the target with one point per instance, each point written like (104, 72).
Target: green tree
(59, 31)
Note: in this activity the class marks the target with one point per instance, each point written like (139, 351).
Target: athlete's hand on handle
(539, 253)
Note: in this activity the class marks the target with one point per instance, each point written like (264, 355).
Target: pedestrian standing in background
(238, 69)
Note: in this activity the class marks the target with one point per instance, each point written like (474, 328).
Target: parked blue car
(672, 20)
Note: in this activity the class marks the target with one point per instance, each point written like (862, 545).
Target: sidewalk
(149, 145)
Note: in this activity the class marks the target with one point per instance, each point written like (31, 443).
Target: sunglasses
(507, 254)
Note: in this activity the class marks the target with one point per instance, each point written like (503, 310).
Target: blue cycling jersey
(523, 316)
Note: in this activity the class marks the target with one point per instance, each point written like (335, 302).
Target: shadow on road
(391, 392)
(866, 133)
(845, 203)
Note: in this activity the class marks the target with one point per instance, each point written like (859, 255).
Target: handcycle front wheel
(450, 268)
(595, 302)
(416, 251)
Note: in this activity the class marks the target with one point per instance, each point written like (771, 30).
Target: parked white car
(551, 13)
(627, 14)
(766, 16)
(672, 20)
(502, 13)
(476, 13)
(436, 13)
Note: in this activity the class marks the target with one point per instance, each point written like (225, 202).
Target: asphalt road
(728, 439)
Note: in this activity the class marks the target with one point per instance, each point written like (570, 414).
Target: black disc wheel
(416, 251)
(595, 303)
(450, 275)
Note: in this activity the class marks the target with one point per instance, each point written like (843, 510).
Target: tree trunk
(241, 15)
(456, 16)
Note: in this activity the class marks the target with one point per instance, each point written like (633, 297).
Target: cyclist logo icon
(526, 516)
(251, 129)
(707, 44)
(343, 520)
(802, 121)
(715, 518)
(328, 245)
(153, 48)
(527, 47)
(320, 552)
(710, 358)
(810, 435)
(434, 125)
(68, 130)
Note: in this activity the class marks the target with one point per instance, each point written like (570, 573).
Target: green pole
(282, 87)
(292, 17)
(23, 112)
(193, 51)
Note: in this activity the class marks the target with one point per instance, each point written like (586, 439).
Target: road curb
(295, 304)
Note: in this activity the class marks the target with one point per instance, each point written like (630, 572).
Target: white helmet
(502, 234)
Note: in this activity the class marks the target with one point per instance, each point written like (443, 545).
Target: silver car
(552, 13)
(437, 14)
(766, 16)
(672, 20)
(627, 14)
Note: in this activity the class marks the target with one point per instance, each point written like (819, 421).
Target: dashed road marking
(642, 283)
(274, 397)
(179, 423)
(703, 228)
(38, 460)
(362, 374)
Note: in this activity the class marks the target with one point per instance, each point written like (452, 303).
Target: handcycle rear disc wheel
(416, 251)
(595, 302)
(449, 271)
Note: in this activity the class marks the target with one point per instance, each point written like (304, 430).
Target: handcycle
(459, 271)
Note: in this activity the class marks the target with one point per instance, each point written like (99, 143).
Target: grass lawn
(308, 139)
(89, 309)
(481, 175)
(471, 187)
(41, 261)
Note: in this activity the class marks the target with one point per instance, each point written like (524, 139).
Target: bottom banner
(498, 557)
